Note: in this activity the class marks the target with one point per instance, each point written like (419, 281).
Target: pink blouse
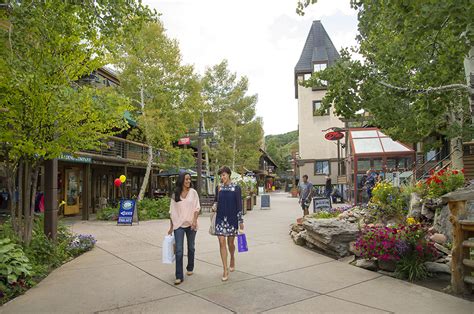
(182, 213)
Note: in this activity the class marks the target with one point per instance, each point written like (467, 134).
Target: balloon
(123, 178)
(117, 182)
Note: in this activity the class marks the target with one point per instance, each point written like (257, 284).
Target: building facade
(318, 157)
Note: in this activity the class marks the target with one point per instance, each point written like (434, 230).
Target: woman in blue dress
(228, 200)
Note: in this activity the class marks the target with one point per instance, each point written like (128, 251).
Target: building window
(319, 67)
(322, 167)
(306, 77)
(317, 104)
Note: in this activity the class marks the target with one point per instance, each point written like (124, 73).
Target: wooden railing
(116, 147)
(461, 217)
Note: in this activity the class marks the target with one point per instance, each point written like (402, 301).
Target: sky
(261, 39)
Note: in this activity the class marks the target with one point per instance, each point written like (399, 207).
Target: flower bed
(406, 245)
(21, 266)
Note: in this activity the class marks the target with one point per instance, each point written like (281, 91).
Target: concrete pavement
(124, 274)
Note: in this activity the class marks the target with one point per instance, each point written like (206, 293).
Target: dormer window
(319, 67)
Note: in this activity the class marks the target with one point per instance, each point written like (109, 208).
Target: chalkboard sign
(321, 204)
(265, 201)
(127, 207)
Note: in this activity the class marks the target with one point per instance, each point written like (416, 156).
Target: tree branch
(426, 90)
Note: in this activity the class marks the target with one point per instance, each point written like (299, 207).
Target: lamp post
(201, 135)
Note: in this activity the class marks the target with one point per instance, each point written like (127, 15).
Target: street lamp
(201, 135)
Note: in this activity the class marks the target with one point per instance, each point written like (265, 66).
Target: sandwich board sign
(321, 204)
(265, 201)
(127, 207)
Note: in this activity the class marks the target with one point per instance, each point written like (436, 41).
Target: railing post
(458, 212)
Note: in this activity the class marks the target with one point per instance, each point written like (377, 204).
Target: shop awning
(373, 142)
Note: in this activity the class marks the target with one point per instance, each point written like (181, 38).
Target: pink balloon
(117, 182)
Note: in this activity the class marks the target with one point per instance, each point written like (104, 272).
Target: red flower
(462, 170)
(455, 172)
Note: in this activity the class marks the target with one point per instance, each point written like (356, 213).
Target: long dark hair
(180, 185)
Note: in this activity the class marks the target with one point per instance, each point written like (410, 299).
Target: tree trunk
(141, 195)
(30, 222)
(456, 118)
(26, 201)
(19, 204)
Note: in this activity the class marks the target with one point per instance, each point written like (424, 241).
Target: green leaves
(13, 262)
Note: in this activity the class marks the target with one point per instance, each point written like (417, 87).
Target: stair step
(465, 222)
(468, 262)
(468, 243)
(469, 279)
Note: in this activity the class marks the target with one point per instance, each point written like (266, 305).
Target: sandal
(189, 273)
(177, 282)
(226, 277)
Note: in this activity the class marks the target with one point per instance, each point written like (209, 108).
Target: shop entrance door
(72, 191)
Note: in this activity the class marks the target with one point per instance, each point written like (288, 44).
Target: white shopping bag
(168, 250)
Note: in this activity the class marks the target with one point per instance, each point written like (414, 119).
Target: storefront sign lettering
(127, 207)
(79, 159)
(334, 136)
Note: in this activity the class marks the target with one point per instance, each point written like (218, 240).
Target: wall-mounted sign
(78, 159)
(184, 141)
(334, 136)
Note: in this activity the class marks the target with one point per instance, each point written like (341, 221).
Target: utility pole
(199, 159)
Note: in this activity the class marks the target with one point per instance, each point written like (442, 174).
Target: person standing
(306, 192)
(370, 184)
(184, 211)
(228, 204)
(328, 188)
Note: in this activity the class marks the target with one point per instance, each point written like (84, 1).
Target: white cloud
(261, 39)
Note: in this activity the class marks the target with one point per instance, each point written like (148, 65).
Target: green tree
(279, 147)
(167, 93)
(412, 79)
(231, 113)
(46, 49)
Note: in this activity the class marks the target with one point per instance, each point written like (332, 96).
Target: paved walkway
(124, 273)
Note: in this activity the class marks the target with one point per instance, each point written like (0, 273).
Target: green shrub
(15, 270)
(388, 202)
(411, 267)
(154, 209)
(325, 215)
(108, 213)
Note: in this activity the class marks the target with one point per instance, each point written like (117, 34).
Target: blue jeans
(179, 239)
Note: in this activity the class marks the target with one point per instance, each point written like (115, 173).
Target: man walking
(328, 187)
(305, 190)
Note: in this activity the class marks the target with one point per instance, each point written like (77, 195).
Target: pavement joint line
(366, 305)
(291, 303)
(355, 284)
(167, 283)
(299, 268)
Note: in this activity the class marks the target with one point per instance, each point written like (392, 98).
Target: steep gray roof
(318, 48)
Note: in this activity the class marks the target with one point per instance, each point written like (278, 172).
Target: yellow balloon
(123, 178)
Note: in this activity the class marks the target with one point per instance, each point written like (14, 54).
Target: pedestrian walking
(228, 204)
(305, 190)
(184, 211)
(328, 187)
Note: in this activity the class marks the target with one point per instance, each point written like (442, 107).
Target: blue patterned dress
(229, 209)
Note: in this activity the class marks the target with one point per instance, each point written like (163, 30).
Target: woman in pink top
(184, 211)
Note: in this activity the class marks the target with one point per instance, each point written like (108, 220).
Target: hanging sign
(127, 207)
(334, 136)
(184, 141)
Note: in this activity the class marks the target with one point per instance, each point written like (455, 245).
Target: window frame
(316, 173)
(326, 113)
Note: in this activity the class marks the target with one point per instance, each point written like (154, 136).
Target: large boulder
(332, 236)
(442, 224)
(415, 206)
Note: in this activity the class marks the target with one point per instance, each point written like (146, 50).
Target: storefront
(373, 151)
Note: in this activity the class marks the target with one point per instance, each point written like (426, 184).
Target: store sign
(127, 207)
(334, 136)
(79, 159)
(184, 141)
(321, 204)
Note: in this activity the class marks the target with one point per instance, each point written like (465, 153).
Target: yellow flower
(411, 221)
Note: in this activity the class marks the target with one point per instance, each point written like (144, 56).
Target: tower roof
(317, 49)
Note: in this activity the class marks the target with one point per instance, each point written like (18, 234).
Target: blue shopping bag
(242, 243)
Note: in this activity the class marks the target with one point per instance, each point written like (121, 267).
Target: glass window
(390, 145)
(391, 163)
(321, 167)
(378, 164)
(316, 109)
(319, 67)
(363, 165)
(361, 134)
(367, 145)
(431, 155)
(307, 76)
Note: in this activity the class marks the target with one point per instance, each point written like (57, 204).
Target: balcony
(125, 151)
